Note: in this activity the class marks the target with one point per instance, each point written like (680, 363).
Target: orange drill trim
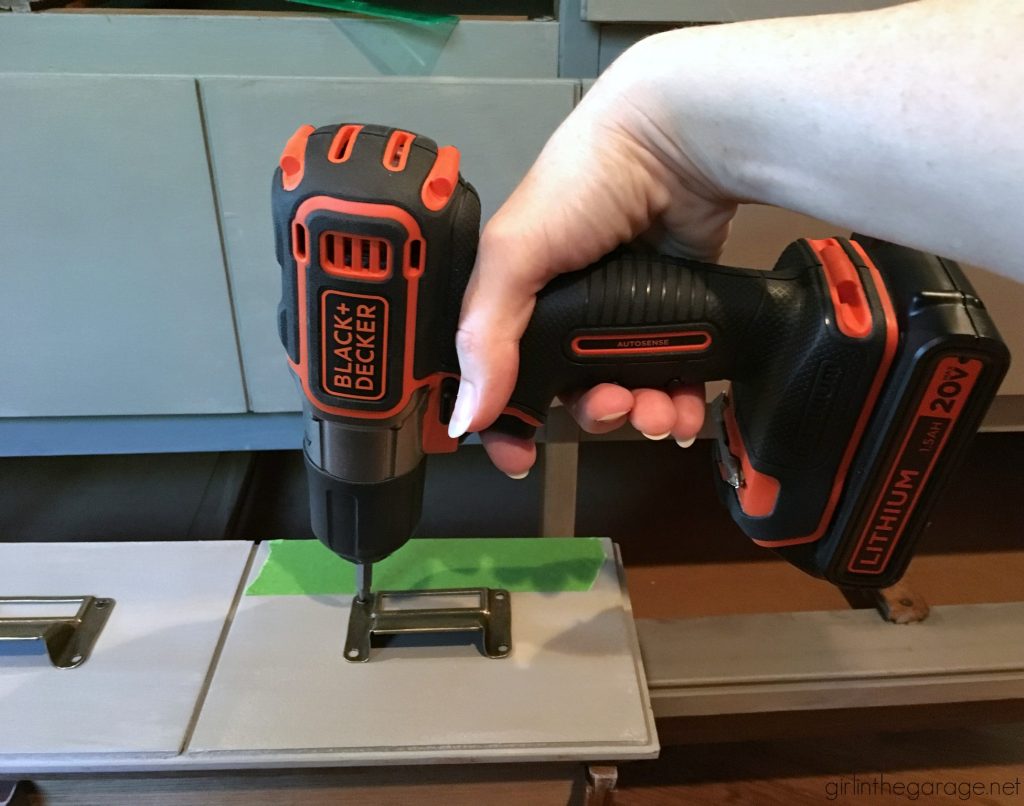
(293, 158)
(850, 303)
(396, 152)
(343, 142)
(759, 491)
(442, 180)
(409, 382)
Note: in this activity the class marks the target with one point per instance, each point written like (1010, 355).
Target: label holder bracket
(492, 618)
(69, 640)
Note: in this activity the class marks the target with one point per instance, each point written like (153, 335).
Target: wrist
(697, 110)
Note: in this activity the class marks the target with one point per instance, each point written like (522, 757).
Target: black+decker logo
(354, 345)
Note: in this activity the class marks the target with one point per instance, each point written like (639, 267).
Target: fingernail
(465, 408)
(656, 436)
(609, 417)
(518, 476)
(686, 443)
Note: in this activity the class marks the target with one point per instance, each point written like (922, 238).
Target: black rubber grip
(638, 321)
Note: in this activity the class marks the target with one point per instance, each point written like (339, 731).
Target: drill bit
(364, 578)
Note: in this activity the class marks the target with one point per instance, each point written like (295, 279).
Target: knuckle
(498, 235)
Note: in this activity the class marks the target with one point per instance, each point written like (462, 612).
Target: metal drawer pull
(69, 639)
(484, 610)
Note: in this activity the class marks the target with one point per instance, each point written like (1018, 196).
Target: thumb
(495, 312)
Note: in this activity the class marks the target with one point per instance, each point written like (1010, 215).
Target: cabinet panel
(717, 10)
(113, 294)
(272, 45)
(499, 127)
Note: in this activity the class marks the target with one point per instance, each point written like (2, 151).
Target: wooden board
(132, 701)
(573, 688)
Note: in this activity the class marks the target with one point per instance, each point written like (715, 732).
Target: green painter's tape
(542, 564)
(381, 12)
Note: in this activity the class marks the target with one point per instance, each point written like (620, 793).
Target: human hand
(615, 170)
(688, 122)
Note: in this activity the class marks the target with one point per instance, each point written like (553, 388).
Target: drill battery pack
(945, 370)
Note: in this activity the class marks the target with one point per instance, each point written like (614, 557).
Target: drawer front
(278, 45)
(113, 293)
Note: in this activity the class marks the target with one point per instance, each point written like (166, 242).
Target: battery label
(354, 345)
(948, 391)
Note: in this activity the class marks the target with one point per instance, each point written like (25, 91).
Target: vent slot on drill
(396, 153)
(355, 256)
(415, 256)
(341, 145)
(299, 244)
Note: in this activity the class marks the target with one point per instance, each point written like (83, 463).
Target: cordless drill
(859, 369)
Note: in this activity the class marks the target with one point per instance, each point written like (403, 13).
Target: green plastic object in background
(518, 564)
(381, 12)
(396, 41)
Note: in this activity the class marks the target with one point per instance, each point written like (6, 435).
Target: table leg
(601, 781)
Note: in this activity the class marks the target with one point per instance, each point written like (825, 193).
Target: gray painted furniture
(133, 700)
(190, 673)
(573, 687)
(113, 297)
(161, 692)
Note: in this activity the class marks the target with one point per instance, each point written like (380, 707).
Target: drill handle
(638, 321)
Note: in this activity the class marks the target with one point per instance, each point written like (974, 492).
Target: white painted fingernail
(609, 417)
(656, 436)
(686, 443)
(465, 408)
(518, 476)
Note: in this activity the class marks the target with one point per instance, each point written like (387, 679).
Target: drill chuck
(365, 483)
(364, 522)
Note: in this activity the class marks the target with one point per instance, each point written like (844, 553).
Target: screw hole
(102, 603)
(499, 596)
(76, 659)
(503, 648)
(353, 653)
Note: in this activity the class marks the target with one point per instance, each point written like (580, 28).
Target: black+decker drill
(859, 369)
